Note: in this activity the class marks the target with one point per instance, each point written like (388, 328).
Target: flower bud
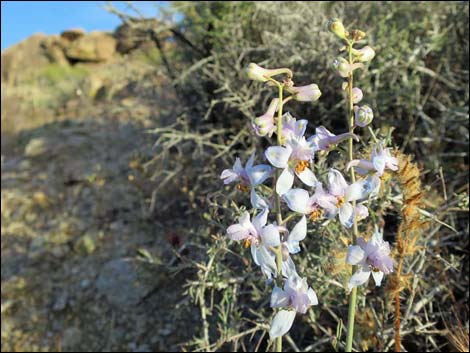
(336, 26)
(342, 67)
(308, 93)
(363, 115)
(258, 73)
(264, 125)
(356, 95)
(364, 54)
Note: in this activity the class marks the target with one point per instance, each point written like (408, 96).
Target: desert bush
(418, 89)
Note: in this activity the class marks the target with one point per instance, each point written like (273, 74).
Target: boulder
(72, 34)
(93, 47)
(53, 48)
(23, 56)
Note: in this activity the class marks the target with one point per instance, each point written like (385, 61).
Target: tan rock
(93, 47)
(23, 56)
(54, 49)
(72, 34)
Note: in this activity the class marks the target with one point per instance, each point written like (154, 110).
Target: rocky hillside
(83, 256)
(44, 77)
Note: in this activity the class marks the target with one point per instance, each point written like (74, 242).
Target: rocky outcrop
(53, 49)
(22, 56)
(72, 34)
(75, 46)
(92, 47)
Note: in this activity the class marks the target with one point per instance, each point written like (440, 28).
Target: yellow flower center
(316, 215)
(246, 243)
(242, 188)
(340, 201)
(301, 165)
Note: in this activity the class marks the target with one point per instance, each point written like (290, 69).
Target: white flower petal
(237, 232)
(260, 220)
(267, 261)
(312, 296)
(356, 191)
(237, 166)
(378, 276)
(293, 246)
(288, 268)
(299, 231)
(307, 177)
(337, 183)
(355, 255)
(229, 176)
(379, 163)
(282, 323)
(258, 174)
(362, 212)
(301, 126)
(250, 162)
(377, 239)
(257, 201)
(254, 253)
(279, 298)
(297, 200)
(285, 181)
(359, 278)
(278, 156)
(392, 162)
(372, 185)
(270, 236)
(346, 215)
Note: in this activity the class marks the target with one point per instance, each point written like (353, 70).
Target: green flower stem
(278, 203)
(353, 295)
(278, 252)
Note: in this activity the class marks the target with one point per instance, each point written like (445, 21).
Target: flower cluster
(290, 183)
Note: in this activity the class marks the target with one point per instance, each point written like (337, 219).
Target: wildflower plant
(289, 192)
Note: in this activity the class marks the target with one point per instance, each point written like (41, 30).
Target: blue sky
(20, 19)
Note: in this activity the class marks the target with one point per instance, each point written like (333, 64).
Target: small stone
(119, 281)
(71, 339)
(36, 147)
(86, 244)
(60, 302)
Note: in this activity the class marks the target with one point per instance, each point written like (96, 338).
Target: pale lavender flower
(265, 124)
(308, 93)
(294, 158)
(363, 115)
(381, 159)
(296, 297)
(292, 128)
(299, 200)
(345, 194)
(372, 257)
(324, 139)
(249, 176)
(295, 236)
(261, 238)
(356, 95)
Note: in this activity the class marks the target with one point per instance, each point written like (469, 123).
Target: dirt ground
(83, 260)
